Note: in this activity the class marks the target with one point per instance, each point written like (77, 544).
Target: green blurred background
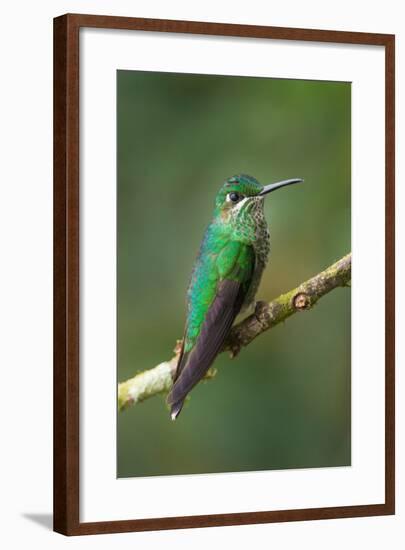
(284, 402)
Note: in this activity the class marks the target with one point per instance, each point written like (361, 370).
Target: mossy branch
(267, 315)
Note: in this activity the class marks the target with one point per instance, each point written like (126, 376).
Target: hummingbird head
(243, 195)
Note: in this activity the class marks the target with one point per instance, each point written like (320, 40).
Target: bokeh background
(284, 402)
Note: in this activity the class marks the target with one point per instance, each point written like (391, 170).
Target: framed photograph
(218, 359)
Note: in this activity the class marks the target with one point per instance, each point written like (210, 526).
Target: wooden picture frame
(67, 284)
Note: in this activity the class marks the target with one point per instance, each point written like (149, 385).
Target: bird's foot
(234, 350)
(178, 346)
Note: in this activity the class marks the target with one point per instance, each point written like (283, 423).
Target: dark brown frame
(66, 273)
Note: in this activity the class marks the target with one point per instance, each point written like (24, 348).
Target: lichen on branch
(159, 379)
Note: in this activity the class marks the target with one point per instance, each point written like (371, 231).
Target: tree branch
(267, 315)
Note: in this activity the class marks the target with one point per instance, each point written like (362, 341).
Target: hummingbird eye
(234, 197)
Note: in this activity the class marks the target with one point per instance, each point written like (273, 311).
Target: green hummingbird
(225, 278)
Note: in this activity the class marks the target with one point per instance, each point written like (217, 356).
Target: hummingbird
(224, 279)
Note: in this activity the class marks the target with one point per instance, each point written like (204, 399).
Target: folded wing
(215, 328)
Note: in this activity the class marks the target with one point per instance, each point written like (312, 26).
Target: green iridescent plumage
(225, 278)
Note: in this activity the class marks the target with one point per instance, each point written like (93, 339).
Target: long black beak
(273, 186)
